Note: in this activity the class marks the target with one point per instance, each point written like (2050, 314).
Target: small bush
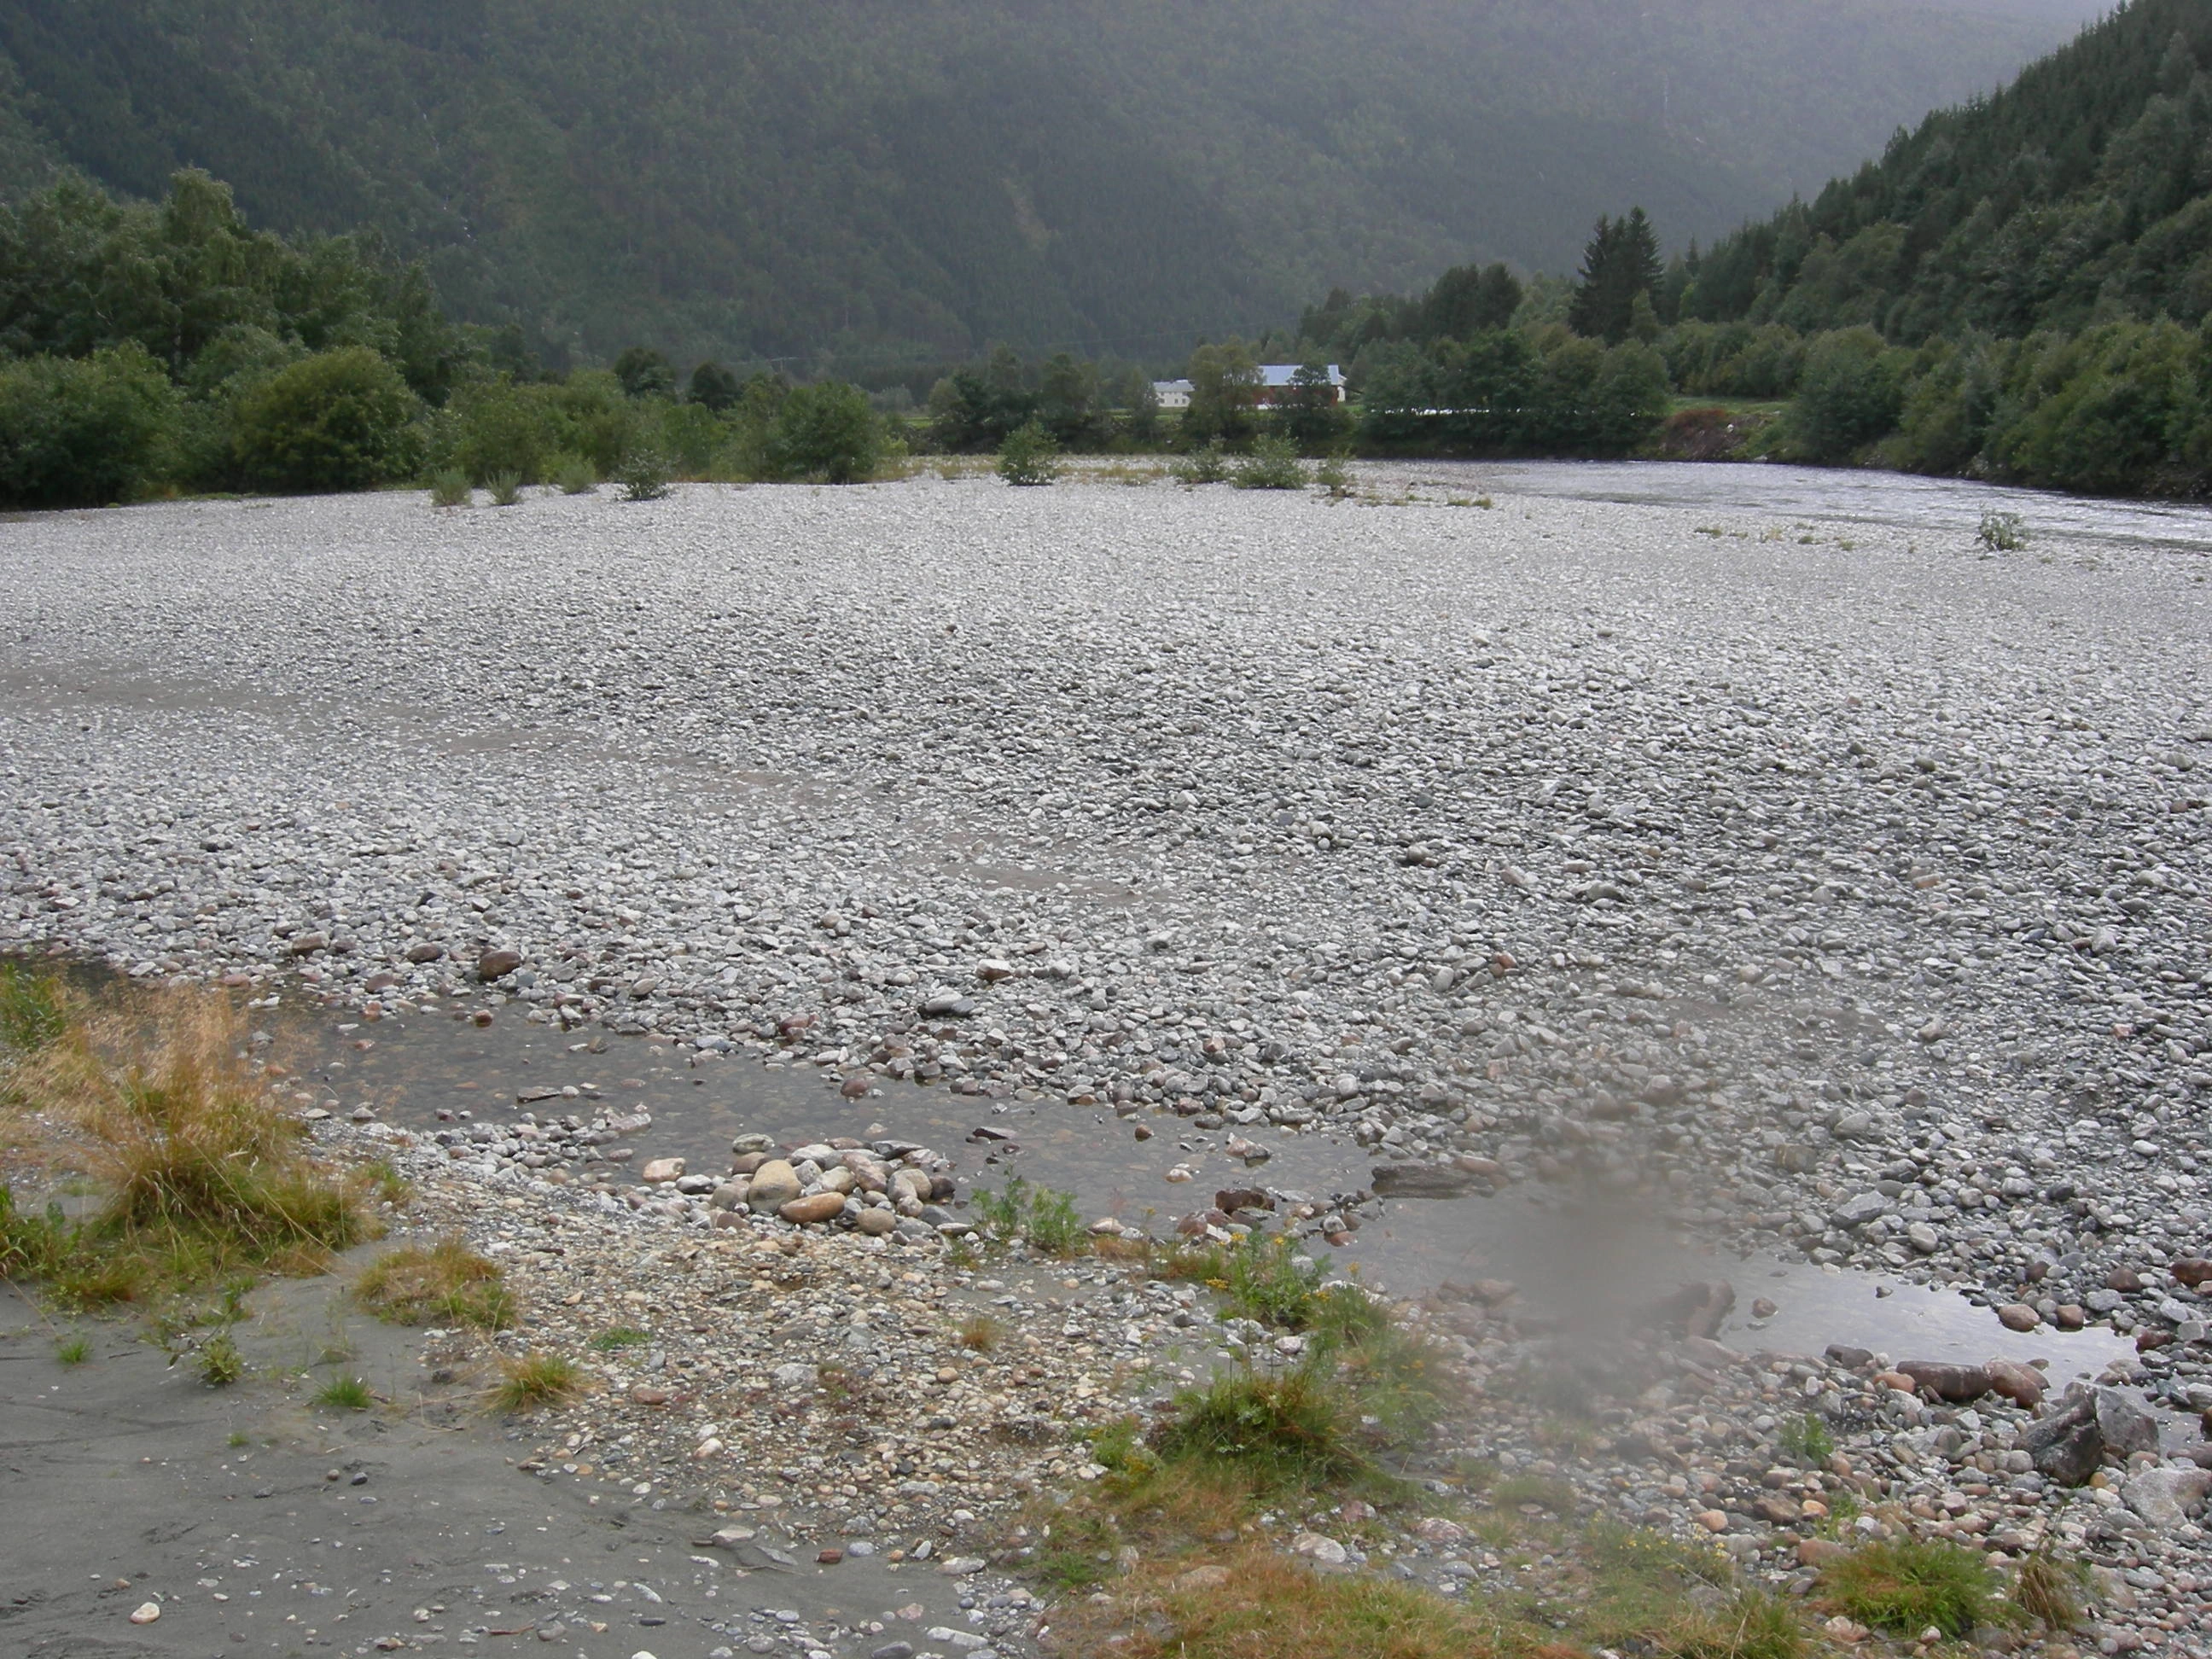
(621, 1336)
(340, 419)
(446, 1284)
(1904, 1586)
(1028, 457)
(1201, 466)
(1295, 1429)
(2002, 533)
(825, 433)
(345, 1394)
(219, 1363)
(1274, 463)
(506, 489)
(72, 1351)
(1333, 474)
(643, 476)
(451, 488)
(982, 1332)
(574, 476)
(534, 1380)
(84, 432)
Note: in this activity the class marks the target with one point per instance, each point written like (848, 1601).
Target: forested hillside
(788, 177)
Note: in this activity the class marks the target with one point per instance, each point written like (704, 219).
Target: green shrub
(643, 474)
(1028, 457)
(573, 475)
(1273, 464)
(1205, 465)
(340, 419)
(1806, 1439)
(32, 1013)
(72, 1351)
(826, 433)
(506, 489)
(534, 1380)
(451, 488)
(1048, 1219)
(1850, 393)
(1333, 474)
(446, 1283)
(84, 432)
(1294, 1428)
(1905, 1585)
(2002, 533)
(345, 1394)
(219, 1363)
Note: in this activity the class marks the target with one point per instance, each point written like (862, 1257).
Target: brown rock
(1819, 1551)
(659, 1169)
(877, 1223)
(820, 1207)
(774, 1182)
(2018, 1316)
(1777, 1510)
(424, 950)
(1233, 1199)
(829, 1557)
(1488, 1167)
(2021, 1384)
(646, 1395)
(1897, 1379)
(2123, 1278)
(2069, 1317)
(1955, 1383)
(853, 1088)
(2192, 1270)
(1713, 1520)
(497, 965)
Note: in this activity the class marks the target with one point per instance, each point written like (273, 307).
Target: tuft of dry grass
(202, 1176)
(982, 1332)
(2051, 1590)
(1256, 1604)
(530, 1381)
(445, 1283)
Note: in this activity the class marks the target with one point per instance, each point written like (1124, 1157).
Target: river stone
(1419, 1181)
(775, 1184)
(820, 1207)
(877, 1223)
(2021, 1384)
(2166, 1498)
(1858, 1209)
(2019, 1316)
(660, 1169)
(1319, 1546)
(497, 965)
(1955, 1383)
(2126, 1425)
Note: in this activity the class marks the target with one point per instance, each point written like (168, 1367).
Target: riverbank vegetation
(172, 1169)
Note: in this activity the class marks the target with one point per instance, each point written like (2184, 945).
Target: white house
(1172, 394)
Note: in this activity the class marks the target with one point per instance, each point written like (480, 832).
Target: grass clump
(506, 487)
(1260, 1602)
(1906, 1585)
(1048, 1219)
(203, 1178)
(982, 1332)
(1274, 463)
(345, 1394)
(452, 488)
(219, 1362)
(1262, 1279)
(530, 1381)
(445, 1283)
(1333, 474)
(2051, 1590)
(1298, 1429)
(72, 1351)
(33, 1010)
(1650, 1593)
(1028, 457)
(572, 475)
(621, 1336)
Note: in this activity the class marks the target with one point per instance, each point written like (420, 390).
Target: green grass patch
(1046, 1219)
(72, 1351)
(219, 1362)
(621, 1336)
(445, 1283)
(1904, 1586)
(345, 1394)
(530, 1381)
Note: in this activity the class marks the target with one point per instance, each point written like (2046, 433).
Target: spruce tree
(1620, 262)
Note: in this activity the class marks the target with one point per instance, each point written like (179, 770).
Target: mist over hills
(877, 176)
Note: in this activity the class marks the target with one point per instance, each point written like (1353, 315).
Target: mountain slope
(2079, 194)
(784, 176)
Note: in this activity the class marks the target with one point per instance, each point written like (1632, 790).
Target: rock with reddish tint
(2192, 1270)
(497, 965)
(1948, 1381)
(774, 1183)
(806, 1211)
(2018, 1316)
(2021, 1384)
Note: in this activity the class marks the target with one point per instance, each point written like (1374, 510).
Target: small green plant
(1333, 475)
(644, 476)
(220, 1363)
(621, 1336)
(2051, 1590)
(33, 1011)
(1274, 463)
(385, 1181)
(1905, 1585)
(506, 489)
(238, 1437)
(1028, 457)
(72, 1351)
(451, 488)
(2002, 533)
(1806, 1440)
(530, 1381)
(345, 1394)
(573, 475)
(1201, 466)
(1290, 1429)
(1046, 1218)
(446, 1283)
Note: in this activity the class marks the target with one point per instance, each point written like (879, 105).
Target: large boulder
(2166, 1498)
(1956, 1384)
(773, 1184)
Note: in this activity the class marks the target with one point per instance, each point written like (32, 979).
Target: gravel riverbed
(1820, 886)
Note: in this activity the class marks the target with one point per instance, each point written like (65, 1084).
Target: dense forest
(840, 185)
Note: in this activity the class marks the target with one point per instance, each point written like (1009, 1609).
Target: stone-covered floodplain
(1830, 887)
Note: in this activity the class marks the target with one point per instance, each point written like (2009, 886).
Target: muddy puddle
(1577, 1262)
